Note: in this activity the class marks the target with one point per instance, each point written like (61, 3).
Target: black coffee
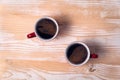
(76, 53)
(46, 28)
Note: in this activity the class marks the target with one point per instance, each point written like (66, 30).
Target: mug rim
(88, 53)
(55, 22)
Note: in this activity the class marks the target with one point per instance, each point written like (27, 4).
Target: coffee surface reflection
(77, 54)
(46, 28)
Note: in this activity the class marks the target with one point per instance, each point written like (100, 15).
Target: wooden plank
(97, 23)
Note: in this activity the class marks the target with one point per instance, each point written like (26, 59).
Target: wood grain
(95, 22)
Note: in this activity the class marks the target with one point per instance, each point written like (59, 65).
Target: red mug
(46, 28)
(78, 53)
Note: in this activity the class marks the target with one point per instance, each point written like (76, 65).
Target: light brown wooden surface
(95, 22)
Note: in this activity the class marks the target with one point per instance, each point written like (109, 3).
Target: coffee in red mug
(46, 28)
(78, 53)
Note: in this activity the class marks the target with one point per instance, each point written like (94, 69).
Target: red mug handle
(31, 35)
(93, 55)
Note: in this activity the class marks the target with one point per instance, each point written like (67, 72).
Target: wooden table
(95, 22)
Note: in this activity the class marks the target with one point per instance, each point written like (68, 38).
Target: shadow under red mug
(46, 28)
(78, 53)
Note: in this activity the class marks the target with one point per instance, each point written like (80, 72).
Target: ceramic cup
(46, 28)
(78, 53)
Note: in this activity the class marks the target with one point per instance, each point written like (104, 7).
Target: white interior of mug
(88, 53)
(55, 22)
